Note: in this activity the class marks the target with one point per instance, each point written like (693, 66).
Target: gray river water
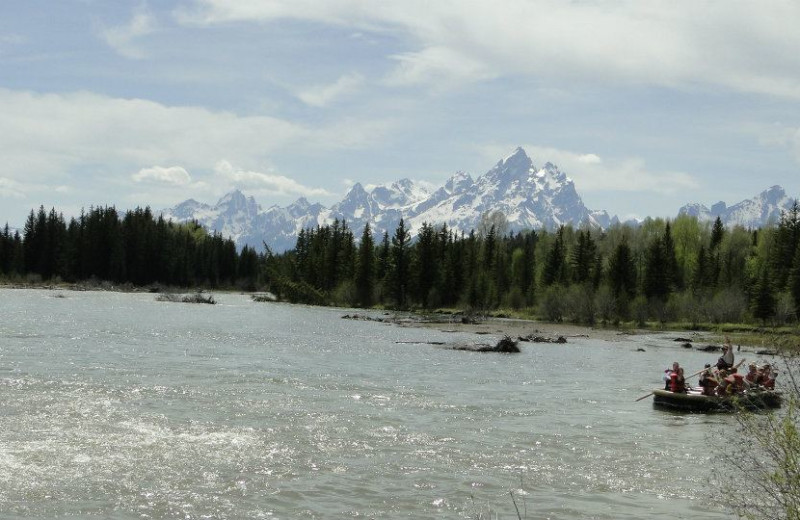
(119, 406)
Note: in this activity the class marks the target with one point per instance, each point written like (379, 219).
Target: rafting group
(721, 387)
(724, 378)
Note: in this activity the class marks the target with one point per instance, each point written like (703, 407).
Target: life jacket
(677, 384)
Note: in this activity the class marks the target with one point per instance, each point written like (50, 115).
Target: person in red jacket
(767, 379)
(677, 381)
(668, 375)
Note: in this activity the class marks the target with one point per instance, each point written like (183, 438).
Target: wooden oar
(645, 396)
(737, 365)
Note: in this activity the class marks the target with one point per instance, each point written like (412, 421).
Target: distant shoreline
(515, 328)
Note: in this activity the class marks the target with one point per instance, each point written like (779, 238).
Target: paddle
(696, 373)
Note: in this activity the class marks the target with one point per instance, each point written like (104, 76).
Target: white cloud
(782, 136)
(743, 46)
(122, 38)
(323, 95)
(11, 39)
(15, 189)
(589, 158)
(627, 174)
(9, 188)
(47, 135)
(440, 66)
(264, 183)
(173, 175)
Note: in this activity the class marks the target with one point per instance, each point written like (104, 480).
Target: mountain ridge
(530, 198)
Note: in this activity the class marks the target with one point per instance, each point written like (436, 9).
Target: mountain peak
(459, 182)
(749, 213)
(234, 196)
(518, 160)
(357, 188)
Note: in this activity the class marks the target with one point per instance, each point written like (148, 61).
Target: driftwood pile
(504, 346)
(542, 339)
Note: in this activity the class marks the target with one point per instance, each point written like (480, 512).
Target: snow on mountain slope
(530, 197)
(757, 212)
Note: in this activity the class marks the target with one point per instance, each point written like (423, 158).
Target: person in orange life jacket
(767, 378)
(677, 381)
(738, 384)
(707, 381)
(668, 374)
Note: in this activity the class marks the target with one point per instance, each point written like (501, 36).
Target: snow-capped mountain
(233, 215)
(757, 212)
(530, 197)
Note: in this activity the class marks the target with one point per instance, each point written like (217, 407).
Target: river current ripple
(118, 406)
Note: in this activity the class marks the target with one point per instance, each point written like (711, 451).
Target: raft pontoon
(694, 401)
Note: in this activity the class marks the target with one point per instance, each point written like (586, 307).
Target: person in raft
(668, 375)
(707, 381)
(677, 381)
(767, 377)
(725, 361)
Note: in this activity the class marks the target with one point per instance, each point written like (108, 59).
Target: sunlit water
(119, 406)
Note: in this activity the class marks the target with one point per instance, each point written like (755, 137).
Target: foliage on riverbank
(759, 469)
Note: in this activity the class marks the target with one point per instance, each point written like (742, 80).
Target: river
(116, 405)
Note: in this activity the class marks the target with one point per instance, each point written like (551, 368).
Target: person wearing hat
(726, 360)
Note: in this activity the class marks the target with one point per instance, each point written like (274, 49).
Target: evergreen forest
(679, 270)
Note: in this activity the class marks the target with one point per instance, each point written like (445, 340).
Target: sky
(646, 106)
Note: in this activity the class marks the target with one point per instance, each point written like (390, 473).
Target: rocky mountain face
(530, 197)
(757, 212)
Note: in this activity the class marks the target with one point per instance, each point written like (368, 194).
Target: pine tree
(674, 277)
(622, 272)
(400, 265)
(700, 278)
(426, 263)
(555, 265)
(583, 258)
(6, 244)
(365, 269)
(656, 282)
(763, 303)
(787, 240)
(794, 281)
(717, 234)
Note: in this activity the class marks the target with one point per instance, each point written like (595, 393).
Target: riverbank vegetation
(759, 461)
(692, 274)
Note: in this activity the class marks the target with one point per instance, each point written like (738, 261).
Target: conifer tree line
(131, 248)
(664, 270)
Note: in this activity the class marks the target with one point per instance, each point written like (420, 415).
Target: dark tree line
(662, 270)
(134, 248)
(678, 270)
